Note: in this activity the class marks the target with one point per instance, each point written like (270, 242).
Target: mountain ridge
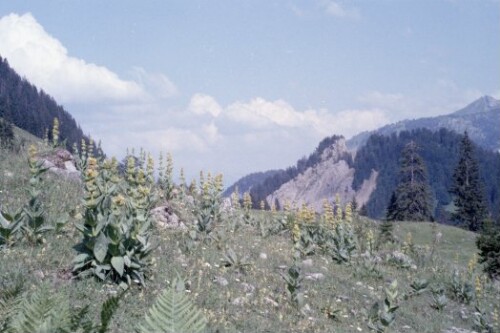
(479, 118)
(359, 179)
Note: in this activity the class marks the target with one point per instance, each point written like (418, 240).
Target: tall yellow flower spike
(348, 213)
(32, 153)
(55, 132)
(247, 201)
(479, 286)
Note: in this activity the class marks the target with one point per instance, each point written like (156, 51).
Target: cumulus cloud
(336, 9)
(259, 115)
(35, 54)
(204, 104)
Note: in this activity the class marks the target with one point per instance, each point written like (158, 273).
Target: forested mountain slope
(439, 151)
(480, 118)
(32, 110)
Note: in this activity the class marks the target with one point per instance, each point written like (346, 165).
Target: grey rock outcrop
(61, 163)
(331, 176)
(165, 218)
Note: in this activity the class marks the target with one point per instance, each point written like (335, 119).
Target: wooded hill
(439, 150)
(33, 110)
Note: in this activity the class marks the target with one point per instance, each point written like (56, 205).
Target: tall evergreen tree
(6, 134)
(411, 200)
(467, 189)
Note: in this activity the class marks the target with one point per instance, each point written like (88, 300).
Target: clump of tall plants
(30, 222)
(117, 224)
(208, 204)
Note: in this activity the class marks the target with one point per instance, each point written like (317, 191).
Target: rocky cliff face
(331, 176)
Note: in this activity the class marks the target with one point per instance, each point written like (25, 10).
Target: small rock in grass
(248, 288)
(39, 274)
(263, 256)
(220, 281)
(315, 276)
(307, 262)
(270, 301)
(238, 301)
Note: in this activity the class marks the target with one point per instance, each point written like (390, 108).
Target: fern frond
(78, 320)
(10, 298)
(109, 308)
(173, 312)
(40, 312)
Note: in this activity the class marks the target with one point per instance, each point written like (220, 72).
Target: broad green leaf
(118, 264)
(80, 258)
(101, 247)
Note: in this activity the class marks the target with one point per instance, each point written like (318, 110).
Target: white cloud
(260, 113)
(258, 116)
(41, 58)
(204, 104)
(336, 9)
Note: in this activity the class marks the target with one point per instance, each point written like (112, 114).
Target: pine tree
(467, 189)
(412, 197)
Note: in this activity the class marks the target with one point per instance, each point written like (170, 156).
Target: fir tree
(411, 199)
(488, 245)
(467, 189)
(386, 233)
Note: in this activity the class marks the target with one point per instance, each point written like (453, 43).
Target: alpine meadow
(181, 209)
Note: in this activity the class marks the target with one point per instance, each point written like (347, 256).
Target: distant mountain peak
(482, 104)
(480, 118)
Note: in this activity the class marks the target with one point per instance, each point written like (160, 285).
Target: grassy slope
(253, 301)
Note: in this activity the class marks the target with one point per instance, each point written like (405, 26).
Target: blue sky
(242, 86)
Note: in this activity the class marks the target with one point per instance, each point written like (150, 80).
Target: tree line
(440, 153)
(33, 110)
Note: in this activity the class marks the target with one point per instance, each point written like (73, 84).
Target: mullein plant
(55, 133)
(381, 317)
(341, 243)
(208, 204)
(34, 225)
(117, 225)
(247, 206)
(29, 222)
(310, 233)
(81, 157)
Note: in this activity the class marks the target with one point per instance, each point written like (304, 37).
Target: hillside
(373, 174)
(480, 118)
(439, 151)
(32, 110)
(246, 183)
(259, 191)
(237, 275)
(330, 176)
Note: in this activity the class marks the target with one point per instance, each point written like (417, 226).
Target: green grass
(254, 299)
